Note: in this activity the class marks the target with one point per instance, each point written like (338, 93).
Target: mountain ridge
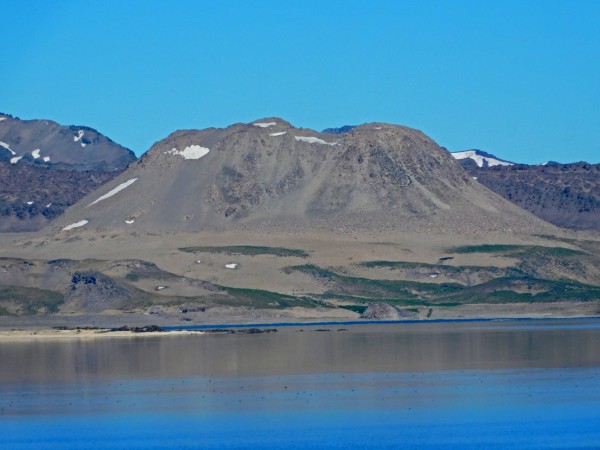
(269, 172)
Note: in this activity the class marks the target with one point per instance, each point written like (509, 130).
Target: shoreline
(61, 333)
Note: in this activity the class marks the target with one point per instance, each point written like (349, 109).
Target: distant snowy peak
(482, 159)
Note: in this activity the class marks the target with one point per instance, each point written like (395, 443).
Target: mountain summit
(270, 174)
(46, 167)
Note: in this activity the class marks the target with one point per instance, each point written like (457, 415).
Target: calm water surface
(533, 384)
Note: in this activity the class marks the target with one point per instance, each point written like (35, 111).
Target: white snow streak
(191, 152)
(480, 160)
(313, 140)
(36, 153)
(75, 225)
(129, 222)
(7, 147)
(80, 134)
(264, 124)
(48, 205)
(281, 133)
(119, 188)
(83, 144)
(2, 118)
(30, 203)
(46, 158)
(231, 266)
(15, 159)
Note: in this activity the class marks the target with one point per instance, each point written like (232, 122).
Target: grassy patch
(260, 299)
(519, 250)
(373, 289)
(30, 301)
(355, 308)
(248, 250)
(505, 289)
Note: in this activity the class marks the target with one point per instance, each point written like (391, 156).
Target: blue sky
(520, 79)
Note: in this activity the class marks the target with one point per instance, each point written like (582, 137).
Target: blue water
(522, 407)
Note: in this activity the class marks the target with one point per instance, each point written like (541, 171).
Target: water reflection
(372, 348)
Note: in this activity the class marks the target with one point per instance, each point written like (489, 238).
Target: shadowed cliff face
(269, 173)
(46, 167)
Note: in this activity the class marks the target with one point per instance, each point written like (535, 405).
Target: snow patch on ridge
(2, 118)
(231, 266)
(190, 152)
(75, 225)
(313, 140)
(7, 147)
(46, 158)
(480, 160)
(119, 188)
(80, 134)
(36, 153)
(281, 133)
(15, 159)
(264, 124)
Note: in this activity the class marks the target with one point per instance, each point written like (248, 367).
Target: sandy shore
(86, 334)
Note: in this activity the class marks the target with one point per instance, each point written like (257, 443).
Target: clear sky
(520, 79)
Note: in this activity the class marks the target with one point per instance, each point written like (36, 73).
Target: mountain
(271, 174)
(567, 195)
(46, 167)
(479, 158)
(264, 222)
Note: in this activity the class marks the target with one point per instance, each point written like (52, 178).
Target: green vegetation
(260, 299)
(28, 301)
(248, 250)
(519, 250)
(355, 308)
(397, 291)
(520, 288)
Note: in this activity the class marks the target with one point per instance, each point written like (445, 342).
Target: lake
(498, 384)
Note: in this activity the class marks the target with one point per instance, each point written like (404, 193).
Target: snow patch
(79, 135)
(36, 153)
(30, 203)
(231, 266)
(190, 152)
(198, 261)
(7, 147)
(119, 188)
(83, 144)
(2, 118)
(281, 133)
(46, 158)
(130, 221)
(313, 140)
(75, 225)
(377, 128)
(264, 124)
(15, 159)
(160, 288)
(48, 205)
(479, 159)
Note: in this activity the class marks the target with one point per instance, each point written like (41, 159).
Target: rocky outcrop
(381, 311)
